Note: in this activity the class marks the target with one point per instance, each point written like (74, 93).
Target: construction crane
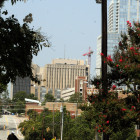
(89, 56)
(89, 63)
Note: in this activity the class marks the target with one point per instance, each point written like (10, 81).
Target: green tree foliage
(2, 88)
(19, 43)
(31, 96)
(0, 108)
(125, 134)
(77, 97)
(5, 95)
(42, 124)
(32, 114)
(21, 95)
(114, 115)
(2, 3)
(12, 2)
(19, 107)
(18, 102)
(5, 98)
(49, 98)
(83, 126)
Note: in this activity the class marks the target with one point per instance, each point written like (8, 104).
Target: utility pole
(104, 45)
(53, 120)
(43, 126)
(104, 51)
(62, 114)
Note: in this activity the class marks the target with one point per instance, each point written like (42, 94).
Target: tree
(42, 125)
(5, 98)
(83, 126)
(49, 98)
(5, 95)
(114, 114)
(77, 97)
(16, 54)
(125, 134)
(12, 1)
(0, 108)
(32, 114)
(2, 88)
(21, 95)
(19, 107)
(18, 102)
(32, 96)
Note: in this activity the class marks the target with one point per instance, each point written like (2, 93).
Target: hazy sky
(70, 24)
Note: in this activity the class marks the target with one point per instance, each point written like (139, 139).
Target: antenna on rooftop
(64, 51)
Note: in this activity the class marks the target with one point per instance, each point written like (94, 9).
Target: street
(9, 123)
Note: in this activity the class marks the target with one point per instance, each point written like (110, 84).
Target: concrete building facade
(54, 106)
(61, 74)
(57, 76)
(81, 86)
(66, 93)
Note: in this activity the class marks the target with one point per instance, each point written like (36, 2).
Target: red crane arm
(87, 53)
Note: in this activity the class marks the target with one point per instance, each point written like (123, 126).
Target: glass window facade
(22, 84)
(123, 10)
(119, 12)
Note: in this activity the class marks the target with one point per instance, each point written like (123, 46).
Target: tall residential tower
(119, 12)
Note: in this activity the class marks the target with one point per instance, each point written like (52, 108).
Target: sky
(72, 26)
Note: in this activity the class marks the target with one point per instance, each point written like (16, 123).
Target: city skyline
(59, 75)
(71, 26)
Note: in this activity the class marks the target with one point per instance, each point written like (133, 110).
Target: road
(9, 123)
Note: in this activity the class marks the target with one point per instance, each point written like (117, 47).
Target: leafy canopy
(19, 43)
(112, 113)
(76, 97)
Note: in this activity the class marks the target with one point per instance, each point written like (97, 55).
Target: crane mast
(89, 53)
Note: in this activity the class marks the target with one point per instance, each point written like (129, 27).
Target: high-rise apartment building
(119, 12)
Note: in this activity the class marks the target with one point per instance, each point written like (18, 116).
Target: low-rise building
(71, 107)
(81, 86)
(66, 93)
